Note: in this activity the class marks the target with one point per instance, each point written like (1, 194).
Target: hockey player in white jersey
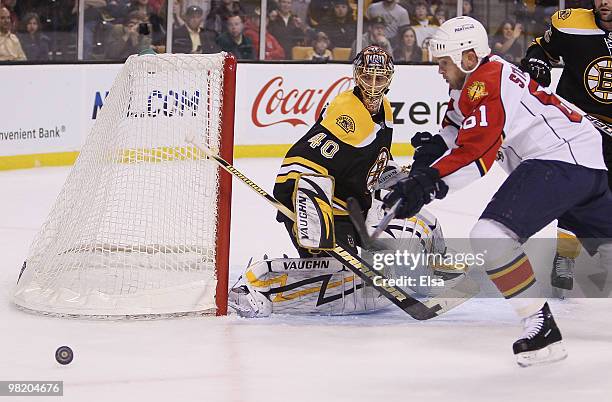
(497, 113)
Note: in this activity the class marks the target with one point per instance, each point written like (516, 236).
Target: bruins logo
(598, 79)
(477, 90)
(346, 123)
(377, 168)
(564, 14)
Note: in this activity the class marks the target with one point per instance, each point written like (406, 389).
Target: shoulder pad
(578, 21)
(349, 121)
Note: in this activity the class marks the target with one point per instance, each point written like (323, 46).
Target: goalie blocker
(314, 223)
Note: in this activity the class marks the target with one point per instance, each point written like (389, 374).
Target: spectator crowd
(318, 30)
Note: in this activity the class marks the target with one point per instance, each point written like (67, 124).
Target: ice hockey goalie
(322, 285)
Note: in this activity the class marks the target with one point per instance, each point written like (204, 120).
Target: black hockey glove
(420, 188)
(428, 148)
(538, 70)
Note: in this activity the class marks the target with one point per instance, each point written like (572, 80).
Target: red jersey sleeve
(480, 134)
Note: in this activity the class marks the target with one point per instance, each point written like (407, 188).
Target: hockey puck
(64, 355)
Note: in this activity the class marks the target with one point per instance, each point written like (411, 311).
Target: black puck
(64, 355)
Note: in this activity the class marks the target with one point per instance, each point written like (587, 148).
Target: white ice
(464, 355)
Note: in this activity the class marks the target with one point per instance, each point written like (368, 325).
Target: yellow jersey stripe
(303, 161)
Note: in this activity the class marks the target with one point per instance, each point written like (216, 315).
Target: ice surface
(464, 355)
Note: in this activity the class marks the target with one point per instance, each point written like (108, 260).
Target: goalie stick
(410, 305)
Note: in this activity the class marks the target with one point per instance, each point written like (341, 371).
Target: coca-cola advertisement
(278, 105)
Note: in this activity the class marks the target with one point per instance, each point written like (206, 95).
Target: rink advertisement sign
(52, 108)
(281, 102)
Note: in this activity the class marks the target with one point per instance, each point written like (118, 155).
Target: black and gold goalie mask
(373, 72)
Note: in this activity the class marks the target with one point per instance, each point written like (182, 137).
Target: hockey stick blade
(454, 296)
(351, 260)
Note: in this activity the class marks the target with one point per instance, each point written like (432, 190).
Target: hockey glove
(537, 65)
(428, 148)
(420, 188)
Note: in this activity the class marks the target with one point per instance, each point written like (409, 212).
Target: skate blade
(550, 354)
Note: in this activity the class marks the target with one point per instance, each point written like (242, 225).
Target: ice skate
(562, 275)
(541, 341)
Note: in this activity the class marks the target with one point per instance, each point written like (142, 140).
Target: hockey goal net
(141, 226)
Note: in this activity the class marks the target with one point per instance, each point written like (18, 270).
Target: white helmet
(459, 34)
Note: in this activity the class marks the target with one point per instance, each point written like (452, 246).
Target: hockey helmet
(373, 71)
(457, 35)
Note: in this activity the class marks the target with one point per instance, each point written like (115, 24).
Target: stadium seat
(341, 53)
(300, 52)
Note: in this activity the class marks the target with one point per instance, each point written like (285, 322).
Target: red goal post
(225, 193)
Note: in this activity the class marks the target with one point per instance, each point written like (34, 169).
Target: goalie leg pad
(308, 286)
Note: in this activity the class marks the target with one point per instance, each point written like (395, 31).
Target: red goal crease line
(29, 161)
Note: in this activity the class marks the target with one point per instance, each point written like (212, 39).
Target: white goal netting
(135, 229)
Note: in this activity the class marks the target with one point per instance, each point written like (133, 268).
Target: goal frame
(112, 282)
(224, 197)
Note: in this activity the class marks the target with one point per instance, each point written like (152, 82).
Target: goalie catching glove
(421, 187)
(392, 173)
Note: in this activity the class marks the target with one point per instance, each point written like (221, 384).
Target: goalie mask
(373, 70)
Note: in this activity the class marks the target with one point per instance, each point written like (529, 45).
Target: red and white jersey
(500, 114)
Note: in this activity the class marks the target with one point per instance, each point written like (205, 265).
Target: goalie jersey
(346, 143)
(500, 114)
(586, 50)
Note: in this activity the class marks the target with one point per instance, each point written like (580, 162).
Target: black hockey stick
(350, 259)
(602, 126)
(356, 215)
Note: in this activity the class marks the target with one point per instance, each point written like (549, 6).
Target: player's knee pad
(488, 228)
(493, 241)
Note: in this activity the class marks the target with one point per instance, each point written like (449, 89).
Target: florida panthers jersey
(500, 114)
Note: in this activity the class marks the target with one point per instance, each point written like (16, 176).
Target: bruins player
(583, 38)
(350, 141)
